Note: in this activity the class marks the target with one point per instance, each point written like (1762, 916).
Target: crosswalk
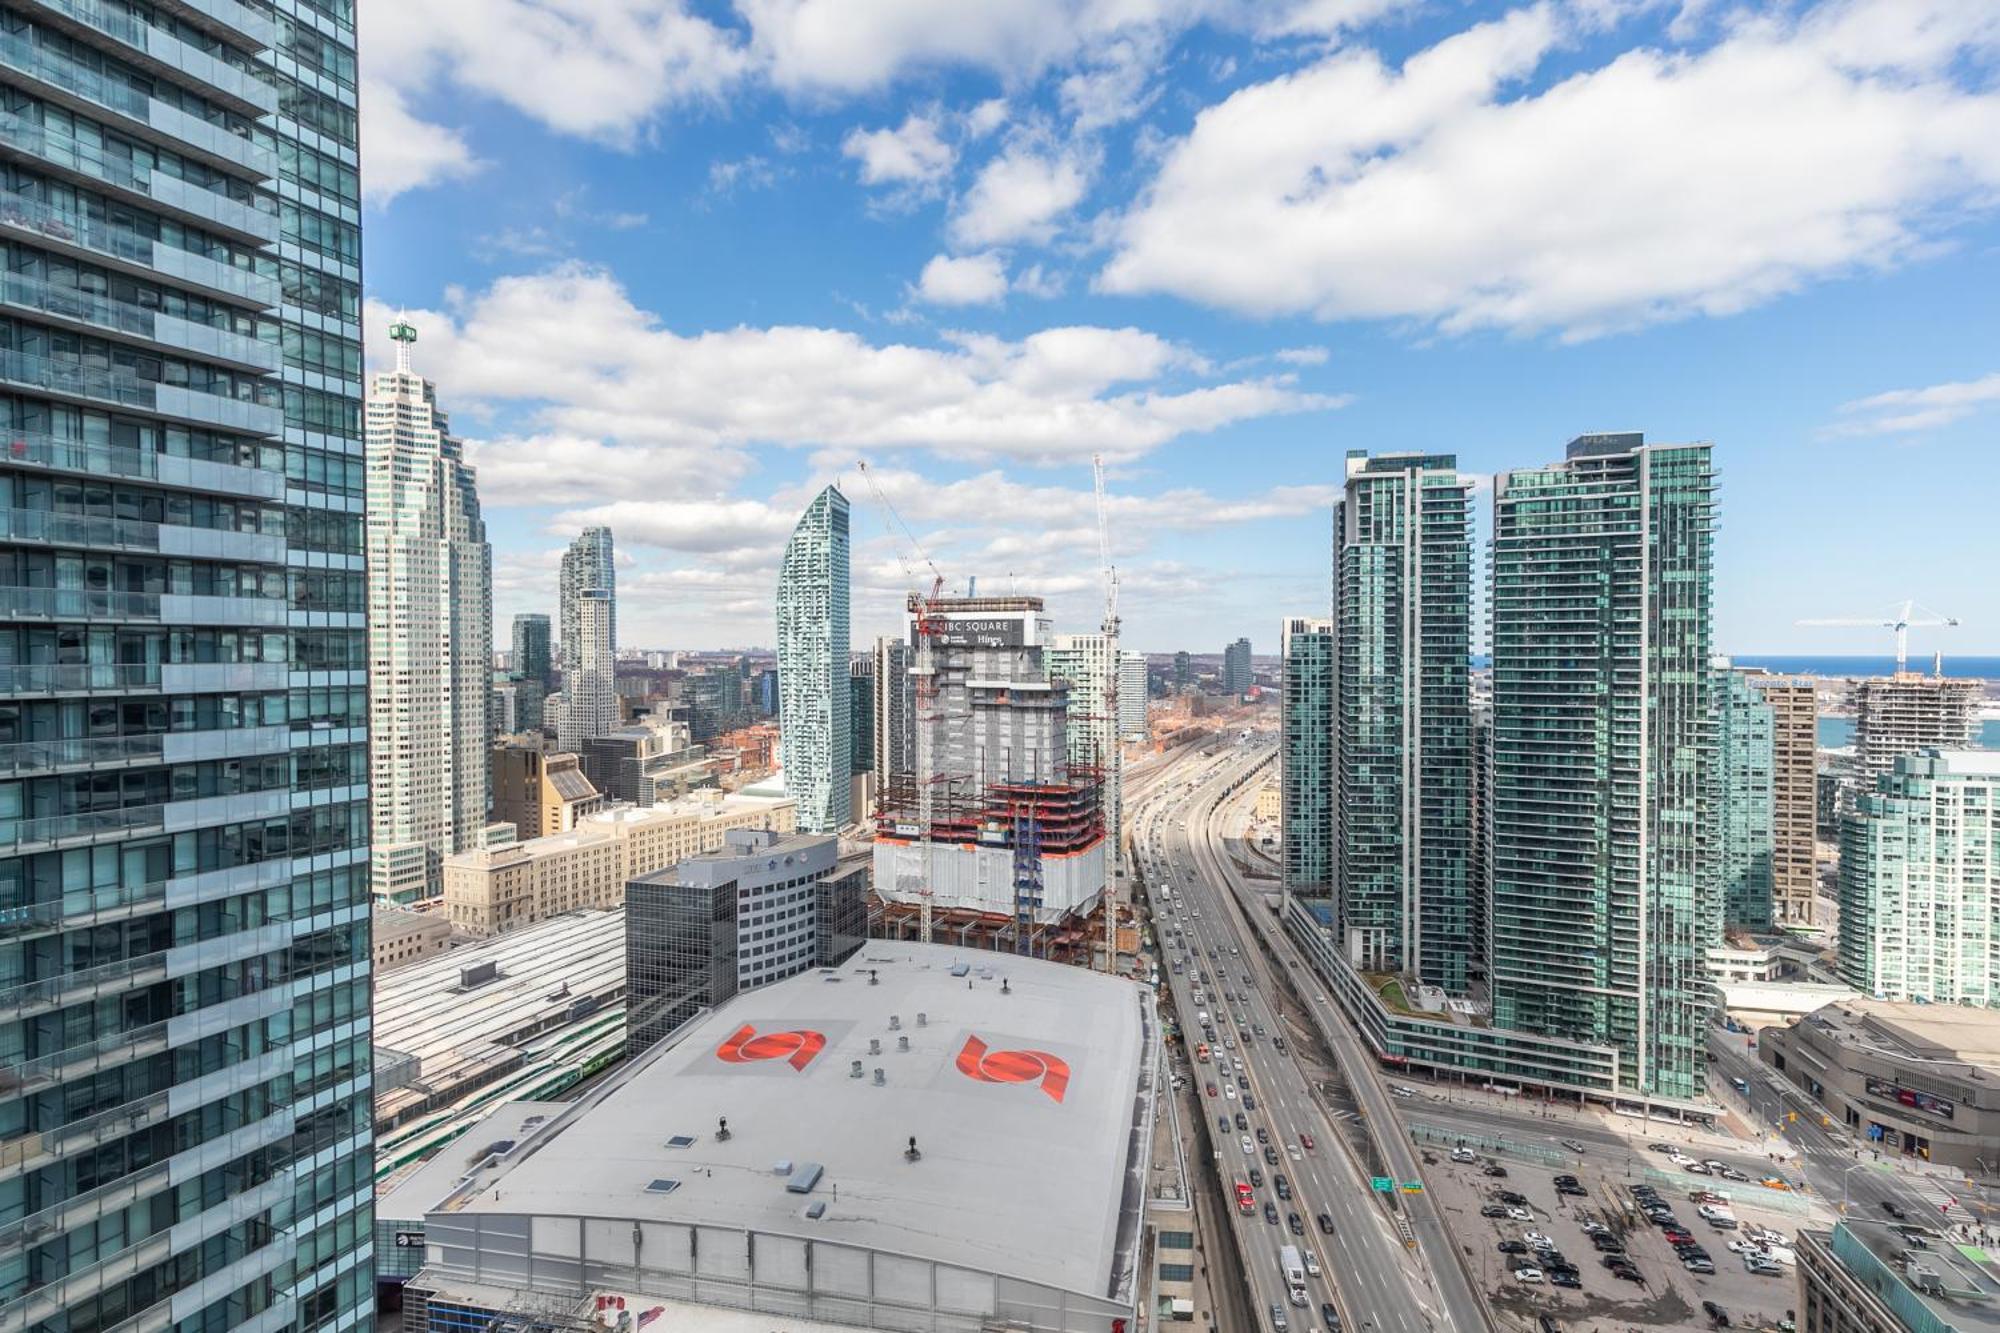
(1939, 1196)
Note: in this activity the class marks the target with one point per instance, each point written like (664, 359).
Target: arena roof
(1022, 1085)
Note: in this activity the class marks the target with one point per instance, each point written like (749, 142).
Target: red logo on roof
(977, 1062)
(797, 1047)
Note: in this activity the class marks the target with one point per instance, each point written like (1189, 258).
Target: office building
(743, 915)
(1912, 1080)
(184, 689)
(404, 937)
(1794, 704)
(532, 664)
(913, 1077)
(1237, 676)
(1402, 624)
(1305, 760)
(1865, 1276)
(894, 712)
(1014, 831)
(589, 607)
(861, 734)
(1745, 804)
(430, 636)
(1091, 663)
(1920, 881)
(503, 888)
(813, 713)
(648, 760)
(1603, 751)
(1906, 713)
(540, 793)
(1132, 693)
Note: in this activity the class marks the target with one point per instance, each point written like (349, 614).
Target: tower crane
(1111, 762)
(923, 670)
(1902, 620)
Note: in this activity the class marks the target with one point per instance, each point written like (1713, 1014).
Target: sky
(675, 265)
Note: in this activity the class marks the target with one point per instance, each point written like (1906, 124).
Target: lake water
(1835, 732)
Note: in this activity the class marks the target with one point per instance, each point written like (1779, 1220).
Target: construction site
(998, 837)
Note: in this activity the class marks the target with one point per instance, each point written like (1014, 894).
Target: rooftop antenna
(403, 333)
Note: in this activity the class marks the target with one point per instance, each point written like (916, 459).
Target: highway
(1378, 1286)
(1449, 1290)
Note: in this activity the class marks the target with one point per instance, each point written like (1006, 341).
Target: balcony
(93, 983)
(79, 678)
(155, 50)
(39, 758)
(21, 835)
(201, 609)
(81, 234)
(212, 409)
(34, 449)
(65, 81)
(69, 378)
(24, 603)
(206, 207)
(233, 22)
(96, 312)
(48, 1071)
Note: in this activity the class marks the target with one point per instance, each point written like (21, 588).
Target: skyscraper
(894, 713)
(1907, 713)
(1794, 702)
(589, 609)
(534, 667)
(1920, 881)
(430, 636)
(1603, 742)
(1402, 621)
(1132, 695)
(184, 877)
(1183, 670)
(1237, 676)
(1746, 804)
(813, 715)
(1089, 663)
(1305, 759)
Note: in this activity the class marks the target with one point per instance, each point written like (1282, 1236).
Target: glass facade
(680, 953)
(1305, 760)
(814, 720)
(1745, 803)
(184, 945)
(1237, 674)
(1603, 753)
(1402, 617)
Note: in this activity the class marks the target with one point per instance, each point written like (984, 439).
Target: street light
(1851, 1168)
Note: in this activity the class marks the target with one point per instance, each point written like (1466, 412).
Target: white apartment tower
(814, 700)
(430, 636)
(589, 611)
(1091, 663)
(1132, 696)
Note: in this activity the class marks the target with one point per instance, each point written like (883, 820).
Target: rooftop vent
(854, 1069)
(722, 1129)
(804, 1176)
(663, 1186)
(874, 1046)
(816, 1209)
(478, 974)
(873, 980)
(880, 1077)
(1005, 989)
(782, 1167)
(681, 1141)
(960, 969)
(533, 1120)
(895, 1023)
(910, 1154)
(923, 1019)
(902, 1043)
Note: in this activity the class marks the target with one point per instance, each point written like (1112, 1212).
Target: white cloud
(556, 468)
(400, 152)
(912, 154)
(1900, 411)
(1037, 281)
(1656, 186)
(1019, 195)
(986, 117)
(968, 280)
(569, 352)
(1302, 356)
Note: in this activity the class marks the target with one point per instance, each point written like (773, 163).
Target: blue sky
(676, 265)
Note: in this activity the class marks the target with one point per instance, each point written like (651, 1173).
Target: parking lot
(1555, 1232)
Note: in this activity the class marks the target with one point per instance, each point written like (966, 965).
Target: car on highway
(1894, 1209)
(1246, 1202)
(1249, 1102)
(1572, 1144)
(1263, 1134)
(1312, 1264)
(1281, 1185)
(1257, 1176)
(1243, 1082)
(1278, 1320)
(1222, 1122)
(1242, 1123)
(1211, 1089)
(1270, 1154)
(1329, 1316)
(1325, 1221)
(1271, 1212)
(1249, 1149)
(1292, 1151)
(1296, 1225)
(1306, 1139)
(1401, 1090)
(1229, 1091)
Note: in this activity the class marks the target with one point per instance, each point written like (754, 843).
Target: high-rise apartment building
(860, 715)
(1090, 662)
(1920, 881)
(1183, 670)
(430, 636)
(186, 1081)
(1794, 704)
(813, 713)
(1603, 746)
(1401, 812)
(533, 666)
(1132, 695)
(1905, 714)
(894, 712)
(1305, 758)
(1745, 804)
(1237, 676)
(589, 609)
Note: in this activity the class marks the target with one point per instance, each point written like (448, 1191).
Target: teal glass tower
(814, 697)
(1402, 749)
(1746, 811)
(1603, 751)
(1305, 761)
(185, 1080)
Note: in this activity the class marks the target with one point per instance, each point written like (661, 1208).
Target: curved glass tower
(813, 703)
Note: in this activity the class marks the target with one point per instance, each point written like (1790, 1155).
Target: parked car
(1494, 1210)
(1496, 1170)
(1527, 1273)
(1717, 1316)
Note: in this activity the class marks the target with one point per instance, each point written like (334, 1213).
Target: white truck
(1294, 1270)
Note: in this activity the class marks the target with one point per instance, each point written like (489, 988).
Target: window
(1176, 1272)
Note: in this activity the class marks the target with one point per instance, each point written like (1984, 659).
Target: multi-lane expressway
(1201, 929)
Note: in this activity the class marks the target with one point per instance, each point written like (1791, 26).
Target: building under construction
(1014, 855)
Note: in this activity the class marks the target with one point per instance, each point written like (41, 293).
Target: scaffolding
(1027, 872)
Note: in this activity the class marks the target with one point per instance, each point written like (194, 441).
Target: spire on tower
(404, 333)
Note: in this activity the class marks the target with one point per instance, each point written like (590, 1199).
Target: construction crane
(1902, 622)
(923, 671)
(1109, 763)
